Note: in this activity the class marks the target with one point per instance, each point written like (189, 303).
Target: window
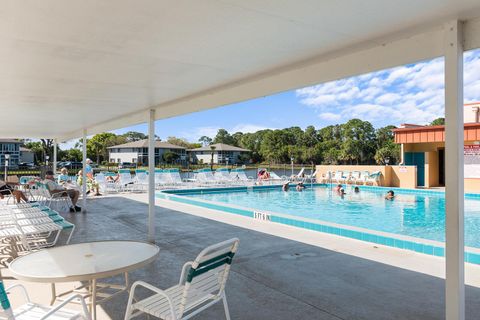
(119, 160)
(134, 160)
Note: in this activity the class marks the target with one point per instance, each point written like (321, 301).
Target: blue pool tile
(473, 258)
(382, 240)
(418, 247)
(408, 245)
(389, 242)
(427, 249)
(399, 244)
(439, 252)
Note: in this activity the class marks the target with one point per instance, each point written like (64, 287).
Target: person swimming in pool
(338, 188)
(390, 195)
(286, 186)
(356, 190)
(300, 186)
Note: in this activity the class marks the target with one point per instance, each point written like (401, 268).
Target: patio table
(85, 262)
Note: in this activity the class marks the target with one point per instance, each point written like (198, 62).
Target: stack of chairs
(30, 226)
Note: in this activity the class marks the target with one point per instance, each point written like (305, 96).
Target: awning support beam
(151, 177)
(84, 172)
(454, 175)
(55, 145)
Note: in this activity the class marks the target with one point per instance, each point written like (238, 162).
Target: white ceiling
(66, 65)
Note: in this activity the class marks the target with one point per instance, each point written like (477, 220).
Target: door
(417, 159)
(441, 167)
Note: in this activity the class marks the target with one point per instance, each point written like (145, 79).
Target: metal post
(454, 202)
(151, 177)
(54, 156)
(84, 173)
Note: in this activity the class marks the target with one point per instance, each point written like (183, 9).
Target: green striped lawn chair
(201, 285)
(33, 311)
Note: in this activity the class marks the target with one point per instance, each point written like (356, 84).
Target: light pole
(7, 157)
(291, 159)
(46, 160)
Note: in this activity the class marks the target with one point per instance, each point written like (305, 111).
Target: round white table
(85, 262)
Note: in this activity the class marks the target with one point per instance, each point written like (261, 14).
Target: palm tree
(212, 148)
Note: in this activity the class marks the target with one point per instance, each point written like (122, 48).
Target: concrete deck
(274, 277)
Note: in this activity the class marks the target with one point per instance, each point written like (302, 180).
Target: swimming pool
(413, 218)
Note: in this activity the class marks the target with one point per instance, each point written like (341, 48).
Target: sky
(412, 93)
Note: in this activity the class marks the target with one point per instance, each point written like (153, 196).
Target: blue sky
(407, 94)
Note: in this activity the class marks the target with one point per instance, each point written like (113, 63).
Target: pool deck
(280, 272)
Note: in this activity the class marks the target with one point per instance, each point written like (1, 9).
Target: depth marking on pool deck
(430, 247)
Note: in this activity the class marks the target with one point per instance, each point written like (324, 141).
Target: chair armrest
(157, 291)
(24, 291)
(58, 194)
(68, 300)
(184, 271)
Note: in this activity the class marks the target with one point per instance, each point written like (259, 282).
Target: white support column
(454, 202)
(55, 156)
(84, 173)
(151, 177)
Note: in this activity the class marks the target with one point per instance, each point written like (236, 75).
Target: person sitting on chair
(6, 189)
(92, 185)
(54, 188)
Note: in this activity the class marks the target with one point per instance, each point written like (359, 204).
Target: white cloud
(411, 93)
(195, 133)
(247, 128)
(329, 116)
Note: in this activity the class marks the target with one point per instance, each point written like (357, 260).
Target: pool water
(415, 215)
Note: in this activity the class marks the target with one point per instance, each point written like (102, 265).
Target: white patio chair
(202, 284)
(33, 311)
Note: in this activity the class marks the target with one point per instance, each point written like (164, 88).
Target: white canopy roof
(101, 65)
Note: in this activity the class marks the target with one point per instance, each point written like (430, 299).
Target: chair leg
(225, 306)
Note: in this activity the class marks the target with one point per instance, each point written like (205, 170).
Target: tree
(384, 136)
(98, 144)
(170, 157)
(438, 122)
(223, 137)
(37, 149)
(388, 154)
(131, 136)
(182, 143)
(212, 150)
(358, 141)
(205, 141)
(72, 155)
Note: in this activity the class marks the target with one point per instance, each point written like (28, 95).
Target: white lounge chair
(363, 177)
(311, 178)
(126, 180)
(223, 176)
(337, 177)
(202, 284)
(141, 180)
(34, 311)
(240, 176)
(354, 177)
(299, 176)
(374, 178)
